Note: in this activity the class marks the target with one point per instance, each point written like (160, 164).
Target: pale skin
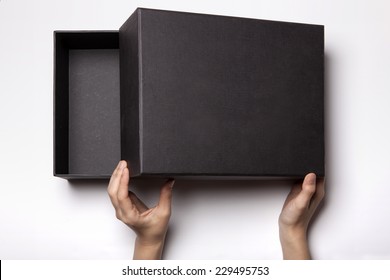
(151, 224)
(298, 209)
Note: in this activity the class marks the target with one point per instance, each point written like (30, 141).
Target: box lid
(205, 95)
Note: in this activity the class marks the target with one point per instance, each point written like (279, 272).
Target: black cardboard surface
(94, 119)
(87, 115)
(210, 96)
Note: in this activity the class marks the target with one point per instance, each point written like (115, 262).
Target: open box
(86, 104)
(190, 95)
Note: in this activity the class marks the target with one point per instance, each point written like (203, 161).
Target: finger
(113, 185)
(308, 190)
(124, 201)
(319, 194)
(138, 202)
(116, 174)
(166, 196)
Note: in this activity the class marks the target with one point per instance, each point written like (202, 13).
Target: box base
(87, 105)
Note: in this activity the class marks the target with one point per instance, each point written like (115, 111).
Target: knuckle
(128, 218)
(301, 207)
(122, 198)
(110, 192)
(165, 213)
(116, 175)
(311, 189)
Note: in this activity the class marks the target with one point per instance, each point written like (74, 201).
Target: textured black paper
(94, 121)
(206, 96)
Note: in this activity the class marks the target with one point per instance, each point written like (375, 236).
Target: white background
(43, 217)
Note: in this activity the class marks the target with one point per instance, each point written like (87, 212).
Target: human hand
(298, 209)
(149, 224)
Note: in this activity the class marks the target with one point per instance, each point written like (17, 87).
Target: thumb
(308, 190)
(166, 196)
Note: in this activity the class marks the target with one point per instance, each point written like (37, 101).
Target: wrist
(294, 243)
(291, 233)
(148, 249)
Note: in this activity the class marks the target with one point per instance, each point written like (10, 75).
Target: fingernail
(171, 182)
(311, 178)
(122, 164)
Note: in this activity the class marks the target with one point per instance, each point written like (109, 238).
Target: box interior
(87, 108)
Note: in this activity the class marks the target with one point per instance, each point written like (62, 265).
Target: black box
(86, 104)
(213, 96)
